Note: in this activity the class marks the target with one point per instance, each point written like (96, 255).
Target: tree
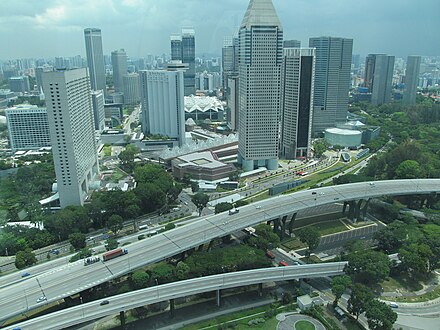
(78, 240)
(200, 200)
(115, 223)
(240, 203)
(339, 285)
(360, 296)
(223, 207)
(194, 186)
(111, 244)
(309, 236)
(140, 279)
(127, 157)
(265, 237)
(169, 226)
(182, 270)
(368, 267)
(319, 147)
(25, 258)
(380, 316)
(409, 169)
(163, 273)
(415, 258)
(391, 238)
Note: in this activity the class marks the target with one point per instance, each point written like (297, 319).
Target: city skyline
(50, 28)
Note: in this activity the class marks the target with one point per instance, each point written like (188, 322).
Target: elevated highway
(93, 310)
(70, 279)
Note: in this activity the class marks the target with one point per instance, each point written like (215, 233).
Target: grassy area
(292, 244)
(118, 174)
(330, 227)
(107, 151)
(401, 283)
(304, 325)
(424, 297)
(259, 197)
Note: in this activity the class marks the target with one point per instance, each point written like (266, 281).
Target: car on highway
(270, 255)
(283, 263)
(258, 207)
(104, 302)
(393, 305)
(41, 299)
(25, 274)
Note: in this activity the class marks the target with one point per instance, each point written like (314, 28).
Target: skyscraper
(162, 99)
(98, 110)
(131, 88)
(183, 48)
(297, 79)
(379, 69)
(229, 60)
(120, 68)
(411, 79)
(95, 59)
(28, 127)
(260, 59)
(332, 81)
(291, 44)
(70, 116)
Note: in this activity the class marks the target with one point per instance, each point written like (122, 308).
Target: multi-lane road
(93, 310)
(67, 280)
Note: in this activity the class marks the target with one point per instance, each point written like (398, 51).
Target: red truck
(283, 263)
(113, 254)
(270, 255)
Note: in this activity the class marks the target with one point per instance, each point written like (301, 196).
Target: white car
(258, 207)
(41, 299)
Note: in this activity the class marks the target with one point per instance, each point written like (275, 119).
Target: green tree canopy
(409, 169)
(360, 296)
(200, 200)
(78, 240)
(368, 267)
(415, 258)
(310, 236)
(223, 207)
(339, 285)
(140, 279)
(115, 223)
(25, 258)
(380, 316)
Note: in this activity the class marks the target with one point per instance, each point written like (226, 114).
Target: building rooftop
(342, 131)
(201, 159)
(203, 103)
(261, 13)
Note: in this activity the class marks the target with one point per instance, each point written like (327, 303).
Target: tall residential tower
(120, 68)
(411, 79)
(95, 58)
(70, 116)
(260, 59)
(332, 81)
(379, 69)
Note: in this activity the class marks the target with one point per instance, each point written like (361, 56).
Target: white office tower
(98, 110)
(332, 81)
(297, 80)
(411, 79)
(162, 99)
(260, 59)
(120, 68)
(28, 127)
(131, 88)
(70, 115)
(95, 59)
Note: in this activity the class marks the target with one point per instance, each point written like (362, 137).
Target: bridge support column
(122, 318)
(210, 245)
(291, 222)
(344, 208)
(357, 210)
(364, 209)
(260, 289)
(200, 248)
(351, 211)
(172, 307)
(283, 226)
(276, 226)
(218, 298)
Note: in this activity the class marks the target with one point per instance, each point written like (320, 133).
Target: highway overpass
(70, 279)
(123, 302)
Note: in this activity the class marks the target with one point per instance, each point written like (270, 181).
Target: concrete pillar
(210, 245)
(172, 307)
(365, 209)
(351, 209)
(283, 226)
(357, 210)
(218, 299)
(122, 318)
(276, 227)
(344, 208)
(260, 289)
(200, 248)
(291, 222)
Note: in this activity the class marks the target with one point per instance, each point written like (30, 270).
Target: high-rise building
(232, 114)
(411, 79)
(28, 127)
(120, 68)
(131, 88)
(162, 99)
(59, 63)
(379, 69)
(98, 110)
(95, 59)
(229, 60)
(291, 44)
(260, 59)
(297, 80)
(183, 48)
(19, 84)
(332, 81)
(70, 115)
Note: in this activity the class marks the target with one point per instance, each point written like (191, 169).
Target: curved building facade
(343, 137)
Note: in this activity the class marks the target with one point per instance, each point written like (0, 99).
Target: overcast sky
(49, 28)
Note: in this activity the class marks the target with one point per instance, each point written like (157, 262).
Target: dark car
(104, 302)
(25, 274)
